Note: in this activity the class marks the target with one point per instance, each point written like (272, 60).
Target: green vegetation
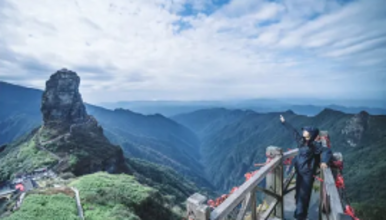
(46, 207)
(166, 180)
(233, 140)
(365, 171)
(73, 160)
(85, 151)
(370, 210)
(114, 197)
(23, 156)
(153, 192)
(153, 138)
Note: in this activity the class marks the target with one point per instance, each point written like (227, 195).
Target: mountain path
(78, 203)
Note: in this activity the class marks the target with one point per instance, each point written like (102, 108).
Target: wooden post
(279, 211)
(275, 182)
(244, 207)
(239, 195)
(253, 204)
(196, 208)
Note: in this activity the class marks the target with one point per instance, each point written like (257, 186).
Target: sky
(198, 50)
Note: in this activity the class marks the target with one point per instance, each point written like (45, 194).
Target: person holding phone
(311, 155)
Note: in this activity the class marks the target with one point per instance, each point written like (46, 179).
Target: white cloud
(126, 50)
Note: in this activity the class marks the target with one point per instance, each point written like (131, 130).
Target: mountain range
(212, 147)
(152, 137)
(171, 108)
(233, 140)
(72, 144)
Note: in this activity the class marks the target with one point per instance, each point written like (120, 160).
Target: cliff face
(70, 140)
(355, 128)
(62, 103)
(73, 134)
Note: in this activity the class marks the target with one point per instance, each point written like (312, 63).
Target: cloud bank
(195, 50)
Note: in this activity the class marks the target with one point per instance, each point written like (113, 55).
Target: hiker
(306, 163)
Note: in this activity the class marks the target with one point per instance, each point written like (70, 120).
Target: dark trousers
(304, 182)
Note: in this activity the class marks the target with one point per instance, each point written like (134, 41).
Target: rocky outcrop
(355, 127)
(77, 137)
(62, 103)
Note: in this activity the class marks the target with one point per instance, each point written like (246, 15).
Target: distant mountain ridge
(154, 138)
(171, 108)
(72, 145)
(224, 128)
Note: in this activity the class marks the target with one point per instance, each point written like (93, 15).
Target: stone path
(78, 203)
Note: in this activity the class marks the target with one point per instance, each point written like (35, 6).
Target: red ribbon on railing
(288, 161)
(318, 178)
(339, 181)
(234, 189)
(249, 175)
(221, 199)
(350, 211)
(218, 201)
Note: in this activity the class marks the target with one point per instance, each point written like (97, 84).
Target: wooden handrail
(290, 153)
(333, 199)
(235, 198)
(276, 188)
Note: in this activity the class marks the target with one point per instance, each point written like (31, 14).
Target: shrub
(106, 196)
(46, 207)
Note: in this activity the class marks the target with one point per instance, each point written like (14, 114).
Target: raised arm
(294, 133)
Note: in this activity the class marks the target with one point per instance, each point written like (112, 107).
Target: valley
(207, 150)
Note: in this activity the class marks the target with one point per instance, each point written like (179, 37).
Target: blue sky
(199, 50)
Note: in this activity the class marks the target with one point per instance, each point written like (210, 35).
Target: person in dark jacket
(306, 163)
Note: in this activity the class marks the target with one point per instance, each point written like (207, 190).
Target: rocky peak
(62, 103)
(79, 140)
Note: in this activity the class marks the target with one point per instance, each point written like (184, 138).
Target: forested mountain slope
(154, 138)
(71, 146)
(238, 139)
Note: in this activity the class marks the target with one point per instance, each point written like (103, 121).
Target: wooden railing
(244, 198)
(330, 200)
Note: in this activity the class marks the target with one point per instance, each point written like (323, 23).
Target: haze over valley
(177, 109)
